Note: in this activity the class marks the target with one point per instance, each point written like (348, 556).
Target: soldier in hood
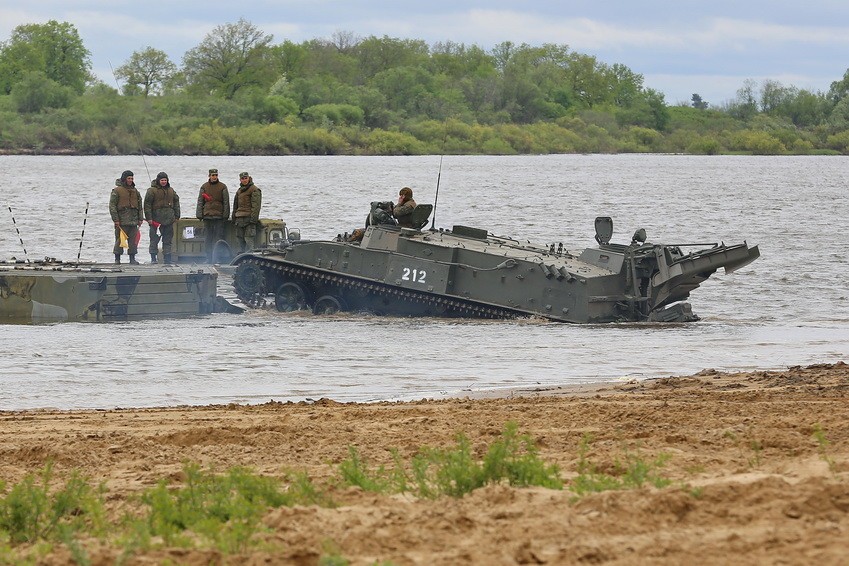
(125, 207)
(161, 211)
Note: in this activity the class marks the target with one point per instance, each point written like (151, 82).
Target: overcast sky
(681, 47)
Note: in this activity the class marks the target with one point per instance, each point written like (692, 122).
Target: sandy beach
(757, 463)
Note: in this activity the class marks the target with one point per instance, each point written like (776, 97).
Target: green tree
(806, 109)
(323, 58)
(16, 60)
(54, 49)
(839, 89)
(378, 54)
(290, 59)
(648, 111)
(587, 79)
(745, 105)
(698, 103)
(774, 96)
(36, 93)
(625, 85)
(146, 72)
(230, 58)
(459, 61)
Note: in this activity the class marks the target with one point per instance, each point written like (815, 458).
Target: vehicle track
(251, 284)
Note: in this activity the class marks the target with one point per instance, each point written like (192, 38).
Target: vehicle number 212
(416, 275)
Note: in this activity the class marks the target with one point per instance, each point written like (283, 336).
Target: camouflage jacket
(161, 204)
(216, 204)
(403, 213)
(247, 202)
(125, 204)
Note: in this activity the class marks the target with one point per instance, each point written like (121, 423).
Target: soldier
(404, 209)
(125, 207)
(161, 211)
(214, 209)
(246, 205)
(380, 213)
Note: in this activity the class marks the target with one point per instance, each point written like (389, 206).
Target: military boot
(168, 259)
(152, 258)
(133, 259)
(117, 258)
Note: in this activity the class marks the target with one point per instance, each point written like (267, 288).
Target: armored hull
(190, 246)
(48, 291)
(468, 272)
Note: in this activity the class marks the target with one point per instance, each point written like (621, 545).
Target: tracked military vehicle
(468, 272)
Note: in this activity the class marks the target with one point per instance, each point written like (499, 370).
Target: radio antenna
(436, 198)
(438, 177)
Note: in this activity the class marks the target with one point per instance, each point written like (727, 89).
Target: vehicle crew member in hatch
(404, 209)
(125, 207)
(161, 211)
(214, 209)
(246, 205)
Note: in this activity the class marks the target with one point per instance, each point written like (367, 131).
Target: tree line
(238, 92)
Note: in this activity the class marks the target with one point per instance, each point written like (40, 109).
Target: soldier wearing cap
(213, 208)
(246, 205)
(161, 211)
(125, 207)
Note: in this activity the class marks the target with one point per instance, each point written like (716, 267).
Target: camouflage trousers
(245, 234)
(132, 231)
(165, 235)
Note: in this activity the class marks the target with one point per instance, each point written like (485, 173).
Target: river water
(790, 307)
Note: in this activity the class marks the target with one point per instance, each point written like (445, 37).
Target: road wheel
(328, 304)
(291, 296)
(249, 283)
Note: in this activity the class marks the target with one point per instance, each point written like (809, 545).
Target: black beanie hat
(126, 174)
(161, 175)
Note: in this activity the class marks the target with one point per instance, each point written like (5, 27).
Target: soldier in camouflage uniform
(161, 211)
(404, 209)
(246, 205)
(213, 208)
(125, 207)
(380, 213)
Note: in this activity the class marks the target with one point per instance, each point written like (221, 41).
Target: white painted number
(417, 275)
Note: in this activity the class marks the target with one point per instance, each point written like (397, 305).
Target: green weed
(223, 509)
(31, 511)
(631, 473)
(432, 473)
(757, 447)
(822, 447)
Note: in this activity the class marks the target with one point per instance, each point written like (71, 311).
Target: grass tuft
(224, 509)
(432, 473)
(31, 511)
(822, 448)
(631, 473)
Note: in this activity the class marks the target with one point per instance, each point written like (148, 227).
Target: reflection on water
(790, 307)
